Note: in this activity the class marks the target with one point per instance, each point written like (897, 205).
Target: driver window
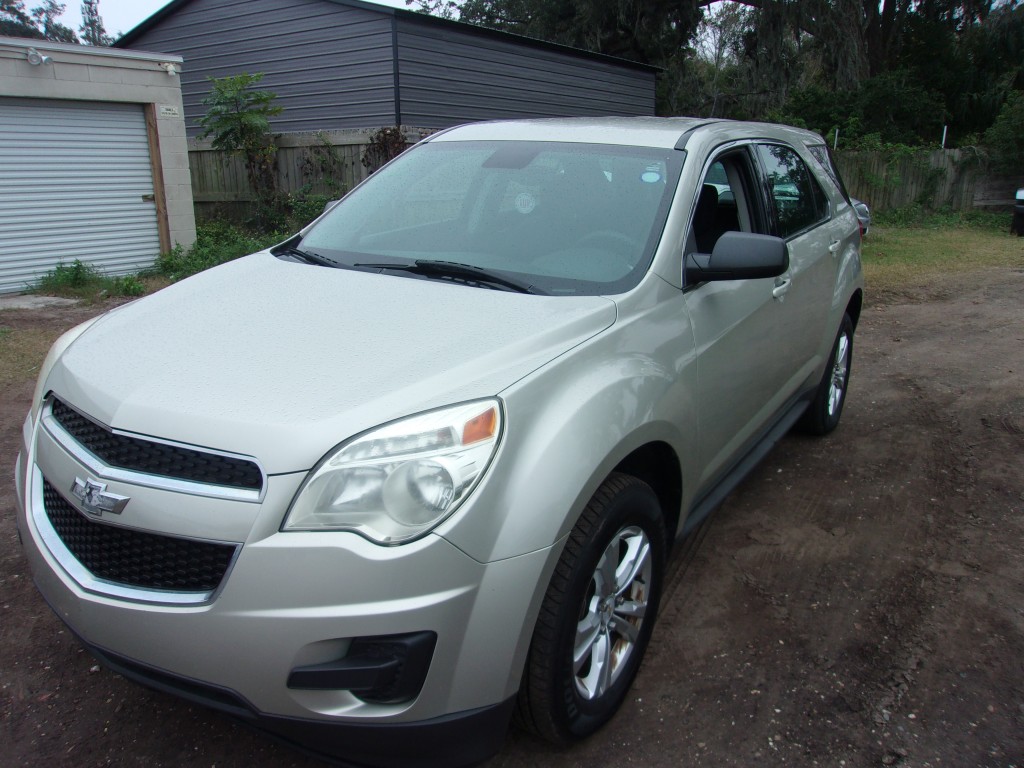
(721, 204)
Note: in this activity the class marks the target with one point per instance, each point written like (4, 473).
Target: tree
(92, 29)
(901, 69)
(39, 24)
(47, 16)
(15, 21)
(1006, 136)
(647, 31)
(442, 9)
(238, 120)
(864, 38)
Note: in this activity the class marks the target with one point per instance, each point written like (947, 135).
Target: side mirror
(739, 256)
(328, 205)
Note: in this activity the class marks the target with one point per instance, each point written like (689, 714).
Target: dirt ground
(859, 601)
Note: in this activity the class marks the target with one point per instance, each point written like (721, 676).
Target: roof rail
(681, 144)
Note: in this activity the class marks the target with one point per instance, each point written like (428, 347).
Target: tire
(822, 415)
(584, 615)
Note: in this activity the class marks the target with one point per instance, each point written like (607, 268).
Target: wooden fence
(954, 178)
(330, 163)
(322, 163)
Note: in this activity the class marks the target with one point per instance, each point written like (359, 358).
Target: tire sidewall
(831, 420)
(635, 505)
(816, 420)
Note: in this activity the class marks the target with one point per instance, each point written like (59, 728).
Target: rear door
(801, 213)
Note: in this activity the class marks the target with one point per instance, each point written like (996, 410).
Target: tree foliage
(43, 22)
(897, 70)
(647, 31)
(1006, 136)
(16, 21)
(92, 29)
(237, 120)
(47, 21)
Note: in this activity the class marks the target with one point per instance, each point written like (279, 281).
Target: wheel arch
(657, 464)
(854, 306)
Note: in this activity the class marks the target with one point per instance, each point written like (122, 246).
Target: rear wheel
(822, 415)
(597, 614)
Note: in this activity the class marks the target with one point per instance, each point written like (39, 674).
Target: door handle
(781, 287)
(833, 247)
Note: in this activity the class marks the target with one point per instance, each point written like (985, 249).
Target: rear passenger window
(799, 200)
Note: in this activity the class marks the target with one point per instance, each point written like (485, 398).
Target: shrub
(385, 145)
(69, 277)
(216, 243)
(128, 285)
(1006, 136)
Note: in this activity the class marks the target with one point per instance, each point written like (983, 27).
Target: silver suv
(420, 466)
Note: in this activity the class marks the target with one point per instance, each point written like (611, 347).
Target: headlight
(397, 482)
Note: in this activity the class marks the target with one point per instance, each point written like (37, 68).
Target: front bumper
(463, 738)
(295, 600)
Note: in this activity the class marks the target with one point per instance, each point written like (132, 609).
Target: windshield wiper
(453, 269)
(308, 256)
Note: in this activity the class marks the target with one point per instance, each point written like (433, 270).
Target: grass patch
(901, 261)
(217, 242)
(916, 217)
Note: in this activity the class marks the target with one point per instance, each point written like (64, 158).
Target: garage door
(73, 178)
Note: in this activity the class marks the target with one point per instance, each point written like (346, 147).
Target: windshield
(565, 218)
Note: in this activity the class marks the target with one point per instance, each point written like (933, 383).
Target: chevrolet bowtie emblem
(95, 499)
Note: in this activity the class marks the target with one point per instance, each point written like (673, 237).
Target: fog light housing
(387, 669)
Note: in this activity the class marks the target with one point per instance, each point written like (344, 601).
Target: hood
(282, 361)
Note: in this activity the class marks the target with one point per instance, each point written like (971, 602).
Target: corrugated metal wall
(449, 76)
(72, 180)
(329, 64)
(333, 66)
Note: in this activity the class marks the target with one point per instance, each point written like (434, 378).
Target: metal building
(93, 160)
(350, 64)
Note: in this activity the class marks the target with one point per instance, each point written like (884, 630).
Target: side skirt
(732, 477)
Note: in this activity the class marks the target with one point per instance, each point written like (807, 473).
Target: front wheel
(822, 415)
(597, 614)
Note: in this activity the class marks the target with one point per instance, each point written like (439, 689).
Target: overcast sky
(122, 15)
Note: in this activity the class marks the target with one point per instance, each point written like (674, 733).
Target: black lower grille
(137, 558)
(153, 458)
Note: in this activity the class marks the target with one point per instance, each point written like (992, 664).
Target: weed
(71, 278)
(128, 285)
(79, 280)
